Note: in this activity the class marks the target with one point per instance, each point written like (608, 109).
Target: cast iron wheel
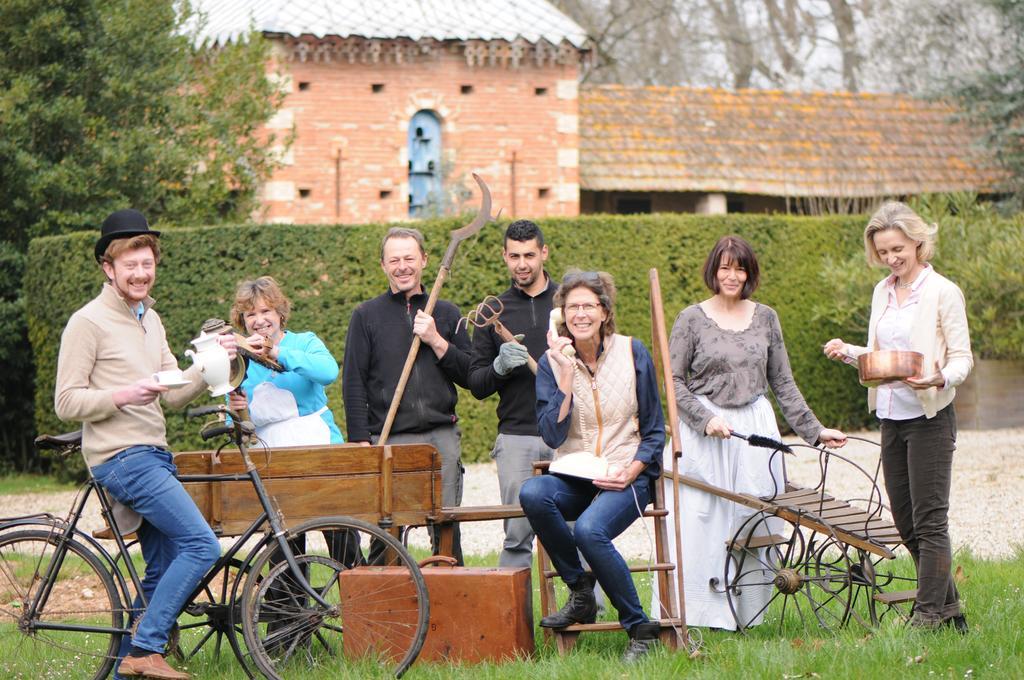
(761, 568)
(83, 594)
(776, 568)
(828, 584)
(880, 590)
(378, 615)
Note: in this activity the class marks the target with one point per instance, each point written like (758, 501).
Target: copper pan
(887, 365)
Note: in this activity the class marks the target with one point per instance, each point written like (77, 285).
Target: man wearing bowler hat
(109, 352)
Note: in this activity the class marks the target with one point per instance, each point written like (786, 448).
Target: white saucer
(176, 384)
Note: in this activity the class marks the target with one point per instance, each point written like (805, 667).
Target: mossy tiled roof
(775, 143)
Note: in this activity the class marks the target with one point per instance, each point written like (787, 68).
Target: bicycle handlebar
(200, 411)
(208, 433)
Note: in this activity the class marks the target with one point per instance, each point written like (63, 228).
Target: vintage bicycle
(66, 599)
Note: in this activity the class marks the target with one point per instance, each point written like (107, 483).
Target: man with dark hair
(499, 366)
(109, 352)
(380, 334)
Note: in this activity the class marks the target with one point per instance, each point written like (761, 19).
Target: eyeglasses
(585, 307)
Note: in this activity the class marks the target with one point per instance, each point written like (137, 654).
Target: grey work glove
(510, 355)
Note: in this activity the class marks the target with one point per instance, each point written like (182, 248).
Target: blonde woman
(289, 408)
(916, 308)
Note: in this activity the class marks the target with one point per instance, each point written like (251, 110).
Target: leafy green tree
(106, 104)
(995, 98)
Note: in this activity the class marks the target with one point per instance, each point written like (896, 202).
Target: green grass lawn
(991, 592)
(21, 483)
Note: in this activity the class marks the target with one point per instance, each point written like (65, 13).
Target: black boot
(581, 607)
(642, 639)
(958, 623)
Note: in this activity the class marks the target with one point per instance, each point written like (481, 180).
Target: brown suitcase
(476, 613)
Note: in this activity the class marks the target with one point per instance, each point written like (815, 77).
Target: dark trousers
(917, 460)
(447, 439)
(550, 502)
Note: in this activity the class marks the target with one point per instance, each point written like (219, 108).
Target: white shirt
(897, 401)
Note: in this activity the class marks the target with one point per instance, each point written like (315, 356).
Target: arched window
(424, 163)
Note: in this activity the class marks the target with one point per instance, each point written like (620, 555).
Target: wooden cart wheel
(779, 573)
(374, 623)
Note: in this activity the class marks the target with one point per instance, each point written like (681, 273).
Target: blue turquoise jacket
(310, 367)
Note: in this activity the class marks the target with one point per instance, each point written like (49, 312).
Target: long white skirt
(710, 522)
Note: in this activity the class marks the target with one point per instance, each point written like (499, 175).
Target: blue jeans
(177, 544)
(551, 502)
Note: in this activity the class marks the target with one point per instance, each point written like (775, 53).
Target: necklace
(905, 286)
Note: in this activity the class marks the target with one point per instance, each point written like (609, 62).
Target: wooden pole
(664, 366)
(458, 236)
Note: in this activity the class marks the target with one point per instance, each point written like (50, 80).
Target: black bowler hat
(122, 224)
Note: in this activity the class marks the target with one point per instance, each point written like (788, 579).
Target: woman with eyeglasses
(727, 352)
(600, 399)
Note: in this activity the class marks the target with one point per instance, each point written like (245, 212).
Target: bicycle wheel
(378, 616)
(217, 617)
(74, 632)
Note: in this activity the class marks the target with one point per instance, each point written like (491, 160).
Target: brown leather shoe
(152, 666)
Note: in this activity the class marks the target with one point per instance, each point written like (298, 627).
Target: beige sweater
(939, 333)
(105, 348)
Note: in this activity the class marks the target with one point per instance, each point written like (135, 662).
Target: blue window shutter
(424, 163)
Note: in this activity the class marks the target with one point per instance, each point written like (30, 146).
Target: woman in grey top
(726, 353)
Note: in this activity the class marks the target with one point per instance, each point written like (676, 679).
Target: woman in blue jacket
(288, 408)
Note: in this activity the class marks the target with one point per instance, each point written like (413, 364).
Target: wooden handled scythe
(457, 237)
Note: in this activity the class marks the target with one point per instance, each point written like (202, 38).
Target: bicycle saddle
(57, 442)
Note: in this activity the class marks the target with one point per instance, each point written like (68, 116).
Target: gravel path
(988, 490)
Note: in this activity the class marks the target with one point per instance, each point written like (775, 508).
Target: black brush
(762, 441)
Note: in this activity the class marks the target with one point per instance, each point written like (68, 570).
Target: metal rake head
(485, 313)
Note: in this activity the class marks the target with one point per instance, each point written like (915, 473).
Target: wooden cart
(383, 485)
(828, 561)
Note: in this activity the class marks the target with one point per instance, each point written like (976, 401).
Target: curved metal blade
(482, 217)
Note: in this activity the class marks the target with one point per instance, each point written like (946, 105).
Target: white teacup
(171, 377)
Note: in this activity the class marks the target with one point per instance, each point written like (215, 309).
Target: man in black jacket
(500, 367)
(379, 336)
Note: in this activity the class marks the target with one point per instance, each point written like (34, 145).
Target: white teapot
(213, 363)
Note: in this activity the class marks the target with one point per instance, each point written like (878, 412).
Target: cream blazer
(939, 333)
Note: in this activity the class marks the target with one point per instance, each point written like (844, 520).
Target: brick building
(393, 104)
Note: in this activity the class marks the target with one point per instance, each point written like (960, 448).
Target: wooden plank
(799, 496)
(860, 525)
(414, 498)
(478, 513)
(602, 626)
(790, 515)
(633, 569)
(896, 596)
(312, 461)
(743, 499)
(754, 542)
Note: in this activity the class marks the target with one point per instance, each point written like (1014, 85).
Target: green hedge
(328, 270)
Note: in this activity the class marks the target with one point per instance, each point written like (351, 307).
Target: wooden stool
(565, 638)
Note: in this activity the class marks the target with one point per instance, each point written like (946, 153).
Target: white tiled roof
(532, 20)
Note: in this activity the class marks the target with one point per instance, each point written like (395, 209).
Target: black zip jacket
(517, 395)
(379, 337)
